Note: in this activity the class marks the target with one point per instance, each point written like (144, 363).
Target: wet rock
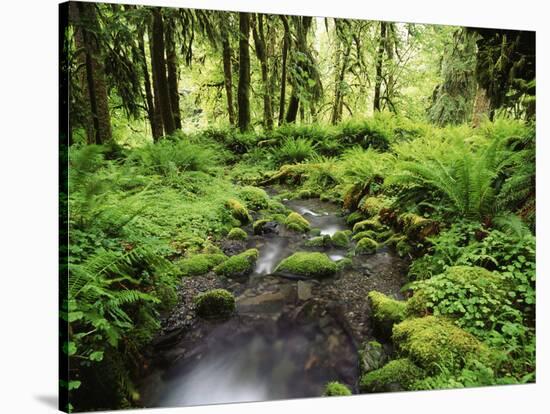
(372, 356)
(304, 290)
(266, 227)
(233, 247)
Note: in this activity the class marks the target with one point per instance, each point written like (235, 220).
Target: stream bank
(287, 338)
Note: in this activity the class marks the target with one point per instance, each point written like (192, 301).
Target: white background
(28, 203)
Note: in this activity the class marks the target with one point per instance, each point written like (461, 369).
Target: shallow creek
(288, 337)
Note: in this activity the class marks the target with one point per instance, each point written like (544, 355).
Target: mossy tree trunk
(259, 42)
(156, 126)
(227, 70)
(172, 70)
(379, 64)
(243, 92)
(286, 46)
(160, 79)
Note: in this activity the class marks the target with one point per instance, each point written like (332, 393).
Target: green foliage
(200, 264)
(238, 210)
(214, 304)
(294, 151)
(335, 388)
(317, 265)
(254, 197)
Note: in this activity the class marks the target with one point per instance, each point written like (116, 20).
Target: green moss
(340, 239)
(396, 375)
(366, 246)
(385, 313)
(344, 264)
(237, 233)
(296, 222)
(371, 206)
(335, 388)
(362, 234)
(371, 356)
(238, 211)
(315, 232)
(216, 303)
(403, 248)
(434, 342)
(370, 224)
(319, 241)
(354, 217)
(254, 197)
(258, 226)
(200, 264)
(307, 264)
(238, 265)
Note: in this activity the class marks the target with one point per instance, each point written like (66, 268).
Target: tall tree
(160, 79)
(243, 92)
(87, 31)
(343, 39)
(261, 52)
(172, 69)
(286, 46)
(227, 68)
(156, 124)
(379, 64)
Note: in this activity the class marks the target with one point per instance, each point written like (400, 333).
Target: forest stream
(288, 337)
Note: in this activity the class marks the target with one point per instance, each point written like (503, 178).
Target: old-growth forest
(269, 206)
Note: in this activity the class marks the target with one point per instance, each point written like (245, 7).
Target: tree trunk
(160, 80)
(95, 75)
(227, 72)
(390, 83)
(156, 129)
(243, 92)
(259, 42)
(482, 107)
(338, 105)
(172, 68)
(286, 45)
(379, 62)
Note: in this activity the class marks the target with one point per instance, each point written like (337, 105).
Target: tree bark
(95, 74)
(156, 128)
(259, 42)
(227, 72)
(172, 68)
(379, 63)
(482, 106)
(286, 46)
(243, 92)
(159, 72)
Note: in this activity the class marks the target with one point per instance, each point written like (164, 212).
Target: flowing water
(288, 337)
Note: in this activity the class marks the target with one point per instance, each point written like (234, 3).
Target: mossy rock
(237, 233)
(296, 222)
(215, 304)
(362, 234)
(238, 211)
(404, 248)
(396, 375)
(319, 241)
(434, 342)
(344, 264)
(353, 195)
(372, 356)
(311, 265)
(239, 265)
(366, 246)
(340, 239)
(336, 388)
(354, 217)
(371, 206)
(254, 197)
(383, 236)
(305, 194)
(385, 313)
(369, 224)
(417, 227)
(199, 264)
(265, 226)
(315, 232)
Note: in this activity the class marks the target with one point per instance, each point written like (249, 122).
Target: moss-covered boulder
(344, 264)
(340, 239)
(237, 233)
(336, 388)
(319, 241)
(416, 227)
(214, 304)
(306, 264)
(396, 375)
(296, 222)
(369, 224)
(238, 210)
(371, 356)
(199, 264)
(362, 234)
(354, 217)
(371, 206)
(434, 342)
(239, 265)
(366, 246)
(254, 197)
(265, 226)
(385, 313)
